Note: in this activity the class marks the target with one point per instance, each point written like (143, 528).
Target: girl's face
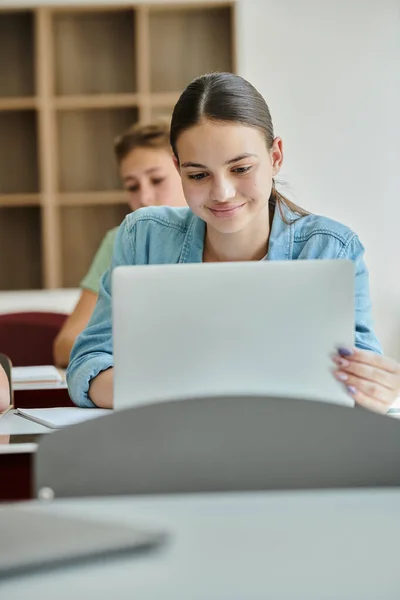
(150, 178)
(227, 173)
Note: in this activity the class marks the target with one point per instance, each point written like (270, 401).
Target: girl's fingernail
(351, 389)
(345, 352)
(342, 376)
(343, 362)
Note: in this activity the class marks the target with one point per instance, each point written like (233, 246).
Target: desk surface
(13, 424)
(21, 432)
(310, 545)
(59, 300)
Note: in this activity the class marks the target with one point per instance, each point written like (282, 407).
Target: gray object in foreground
(221, 444)
(34, 540)
(316, 545)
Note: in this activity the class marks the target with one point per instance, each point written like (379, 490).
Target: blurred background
(74, 76)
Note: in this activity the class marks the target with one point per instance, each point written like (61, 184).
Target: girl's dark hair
(226, 97)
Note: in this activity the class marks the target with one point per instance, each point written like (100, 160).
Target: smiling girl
(227, 155)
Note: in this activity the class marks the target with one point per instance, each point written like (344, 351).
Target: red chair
(27, 337)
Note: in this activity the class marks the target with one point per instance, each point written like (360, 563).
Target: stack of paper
(37, 377)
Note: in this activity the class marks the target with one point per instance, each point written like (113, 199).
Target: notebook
(40, 539)
(59, 417)
(37, 377)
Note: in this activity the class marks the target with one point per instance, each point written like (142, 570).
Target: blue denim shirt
(163, 235)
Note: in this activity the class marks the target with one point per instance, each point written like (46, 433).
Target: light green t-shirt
(100, 263)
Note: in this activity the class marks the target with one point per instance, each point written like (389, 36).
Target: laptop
(214, 329)
(36, 539)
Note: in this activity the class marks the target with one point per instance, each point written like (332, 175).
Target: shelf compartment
(17, 54)
(18, 152)
(94, 52)
(20, 248)
(187, 43)
(86, 155)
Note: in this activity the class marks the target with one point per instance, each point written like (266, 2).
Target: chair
(5, 362)
(221, 444)
(27, 337)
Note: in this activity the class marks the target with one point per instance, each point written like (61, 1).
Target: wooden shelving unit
(72, 79)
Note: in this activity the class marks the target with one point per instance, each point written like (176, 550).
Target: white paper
(59, 417)
(396, 404)
(43, 373)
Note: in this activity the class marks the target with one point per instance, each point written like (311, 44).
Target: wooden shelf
(160, 112)
(20, 248)
(186, 7)
(18, 152)
(100, 101)
(17, 50)
(164, 98)
(94, 52)
(86, 138)
(72, 78)
(18, 103)
(19, 200)
(92, 198)
(162, 104)
(188, 43)
(89, 223)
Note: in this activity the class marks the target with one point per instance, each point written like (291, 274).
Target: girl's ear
(277, 155)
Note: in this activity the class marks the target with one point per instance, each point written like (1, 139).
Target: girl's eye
(133, 188)
(197, 176)
(240, 170)
(158, 180)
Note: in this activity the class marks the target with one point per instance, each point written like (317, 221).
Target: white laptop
(258, 328)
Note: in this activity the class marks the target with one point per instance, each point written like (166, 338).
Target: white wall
(330, 73)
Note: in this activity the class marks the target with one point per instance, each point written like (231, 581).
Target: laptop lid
(258, 328)
(39, 539)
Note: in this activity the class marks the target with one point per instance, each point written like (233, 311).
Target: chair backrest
(221, 444)
(28, 337)
(6, 363)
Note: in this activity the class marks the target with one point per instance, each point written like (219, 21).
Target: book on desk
(37, 377)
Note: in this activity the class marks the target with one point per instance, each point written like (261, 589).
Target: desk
(13, 424)
(16, 459)
(253, 546)
(37, 395)
(42, 398)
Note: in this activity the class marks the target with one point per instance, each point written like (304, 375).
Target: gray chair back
(221, 444)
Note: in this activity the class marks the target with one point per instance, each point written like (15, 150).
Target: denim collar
(280, 239)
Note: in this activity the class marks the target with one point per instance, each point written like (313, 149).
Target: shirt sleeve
(93, 348)
(365, 337)
(100, 263)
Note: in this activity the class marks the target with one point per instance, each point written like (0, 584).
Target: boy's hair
(148, 135)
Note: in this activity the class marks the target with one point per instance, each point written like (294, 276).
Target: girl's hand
(371, 379)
